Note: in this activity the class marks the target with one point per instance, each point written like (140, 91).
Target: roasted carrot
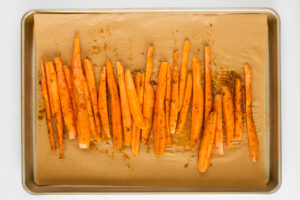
(238, 110)
(126, 114)
(208, 96)
(174, 96)
(102, 103)
(91, 82)
(197, 105)
(169, 137)
(228, 114)
(47, 105)
(116, 114)
(136, 133)
(183, 71)
(65, 100)
(133, 99)
(148, 97)
(207, 142)
(252, 137)
(186, 104)
(83, 124)
(55, 101)
(159, 111)
(219, 129)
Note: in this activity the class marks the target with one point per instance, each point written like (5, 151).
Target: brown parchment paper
(234, 39)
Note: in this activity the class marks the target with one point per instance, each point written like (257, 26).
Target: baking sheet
(234, 39)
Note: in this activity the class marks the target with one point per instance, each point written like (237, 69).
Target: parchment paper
(234, 39)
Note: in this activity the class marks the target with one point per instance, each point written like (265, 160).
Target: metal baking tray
(28, 93)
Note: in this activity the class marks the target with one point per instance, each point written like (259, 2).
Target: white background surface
(10, 97)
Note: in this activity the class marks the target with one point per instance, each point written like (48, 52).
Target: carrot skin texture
(252, 135)
(169, 137)
(208, 96)
(219, 129)
(126, 114)
(116, 115)
(238, 111)
(228, 113)
(47, 105)
(197, 105)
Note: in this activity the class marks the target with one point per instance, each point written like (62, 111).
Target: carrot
(228, 115)
(186, 104)
(83, 124)
(65, 100)
(102, 103)
(69, 78)
(126, 114)
(174, 96)
(252, 136)
(169, 137)
(115, 106)
(183, 71)
(55, 101)
(91, 82)
(219, 129)
(238, 110)
(159, 111)
(139, 84)
(208, 96)
(197, 105)
(148, 97)
(133, 99)
(47, 105)
(207, 142)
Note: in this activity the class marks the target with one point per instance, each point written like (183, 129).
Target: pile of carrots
(72, 100)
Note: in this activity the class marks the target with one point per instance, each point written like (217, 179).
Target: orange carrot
(65, 100)
(159, 112)
(228, 115)
(183, 71)
(55, 101)
(169, 137)
(148, 97)
(133, 99)
(238, 110)
(115, 106)
(252, 137)
(219, 129)
(102, 103)
(139, 84)
(207, 142)
(174, 97)
(126, 114)
(197, 105)
(91, 82)
(47, 105)
(208, 97)
(186, 104)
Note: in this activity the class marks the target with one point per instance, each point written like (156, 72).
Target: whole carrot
(126, 114)
(252, 136)
(55, 101)
(197, 105)
(115, 106)
(186, 104)
(174, 96)
(167, 106)
(228, 113)
(148, 97)
(183, 71)
(208, 97)
(133, 99)
(238, 110)
(102, 103)
(47, 105)
(219, 129)
(207, 142)
(91, 82)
